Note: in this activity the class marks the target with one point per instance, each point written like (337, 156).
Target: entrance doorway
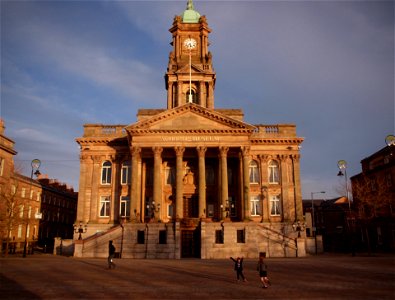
(190, 243)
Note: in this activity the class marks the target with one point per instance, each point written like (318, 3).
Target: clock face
(190, 43)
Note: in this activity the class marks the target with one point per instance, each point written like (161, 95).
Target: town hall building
(190, 180)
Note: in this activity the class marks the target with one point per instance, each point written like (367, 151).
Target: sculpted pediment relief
(190, 118)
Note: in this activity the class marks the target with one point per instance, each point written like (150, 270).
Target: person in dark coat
(111, 254)
(239, 268)
(262, 270)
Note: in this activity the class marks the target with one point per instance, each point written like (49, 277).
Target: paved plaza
(319, 277)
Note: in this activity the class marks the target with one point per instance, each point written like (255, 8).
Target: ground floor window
(241, 236)
(104, 206)
(255, 205)
(219, 236)
(275, 207)
(125, 206)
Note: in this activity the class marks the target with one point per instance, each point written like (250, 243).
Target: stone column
(210, 96)
(96, 179)
(246, 181)
(115, 176)
(180, 99)
(157, 195)
(179, 183)
(202, 182)
(135, 207)
(297, 187)
(224, 179)
(265, 186)
(86, 164)
(170, 95)
(284, 187)
(202, 99)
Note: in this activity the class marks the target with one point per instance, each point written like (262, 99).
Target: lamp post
(35, 163)
(298, 227)
(80, 229)
(342, 165)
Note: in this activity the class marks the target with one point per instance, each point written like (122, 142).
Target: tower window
(194, 96)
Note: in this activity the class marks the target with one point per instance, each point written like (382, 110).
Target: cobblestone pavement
(316, 277)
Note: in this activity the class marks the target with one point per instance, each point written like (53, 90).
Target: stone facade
(190, 180)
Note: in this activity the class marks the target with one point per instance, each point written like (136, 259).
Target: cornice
(282, 141)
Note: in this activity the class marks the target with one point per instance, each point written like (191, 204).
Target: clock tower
(190, 76)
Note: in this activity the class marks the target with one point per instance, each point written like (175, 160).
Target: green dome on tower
(190, 15)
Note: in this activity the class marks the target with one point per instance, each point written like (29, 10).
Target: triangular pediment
(185, 69)
(190, 118)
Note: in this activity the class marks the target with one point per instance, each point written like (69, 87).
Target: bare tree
(372, 199)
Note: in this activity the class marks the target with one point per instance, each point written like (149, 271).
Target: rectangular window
(219, 236)
(104, 206)
(232, 207)
(29, 212)
(38, 196)
(21, 211)
(125, 173)
(162, 237)
(170, 208)
(1, 166)
(23, 193)
(210, 210)
(28, 230)
(140, 237)
(170, 176)
(125, 206)
(275, 207)
(19, 231)
(241, 236)
(31, 194)
(256, 208)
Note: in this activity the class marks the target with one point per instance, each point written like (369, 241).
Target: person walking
(239, 268)
(111, 254)
(262, 269)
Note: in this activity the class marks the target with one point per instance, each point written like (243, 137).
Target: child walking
(239, 268)
(262, 269)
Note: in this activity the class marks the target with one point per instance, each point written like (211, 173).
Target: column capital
(295, 157)
(135, 150)
(179, 150)
(157, 150)
(245, 150)
(223, 150)
(201, 150)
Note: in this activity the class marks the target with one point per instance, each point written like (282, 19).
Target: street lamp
(36, 163)
(298, 227)
(342, 165)
(35, 170)
(80, 229)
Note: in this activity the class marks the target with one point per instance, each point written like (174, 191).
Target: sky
(325, 66)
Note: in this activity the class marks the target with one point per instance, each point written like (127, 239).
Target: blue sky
(326, 66)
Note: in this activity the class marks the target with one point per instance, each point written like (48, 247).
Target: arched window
(194, 97)
(106, 173)
(254, 172)
(125, 172)
(273, 172)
